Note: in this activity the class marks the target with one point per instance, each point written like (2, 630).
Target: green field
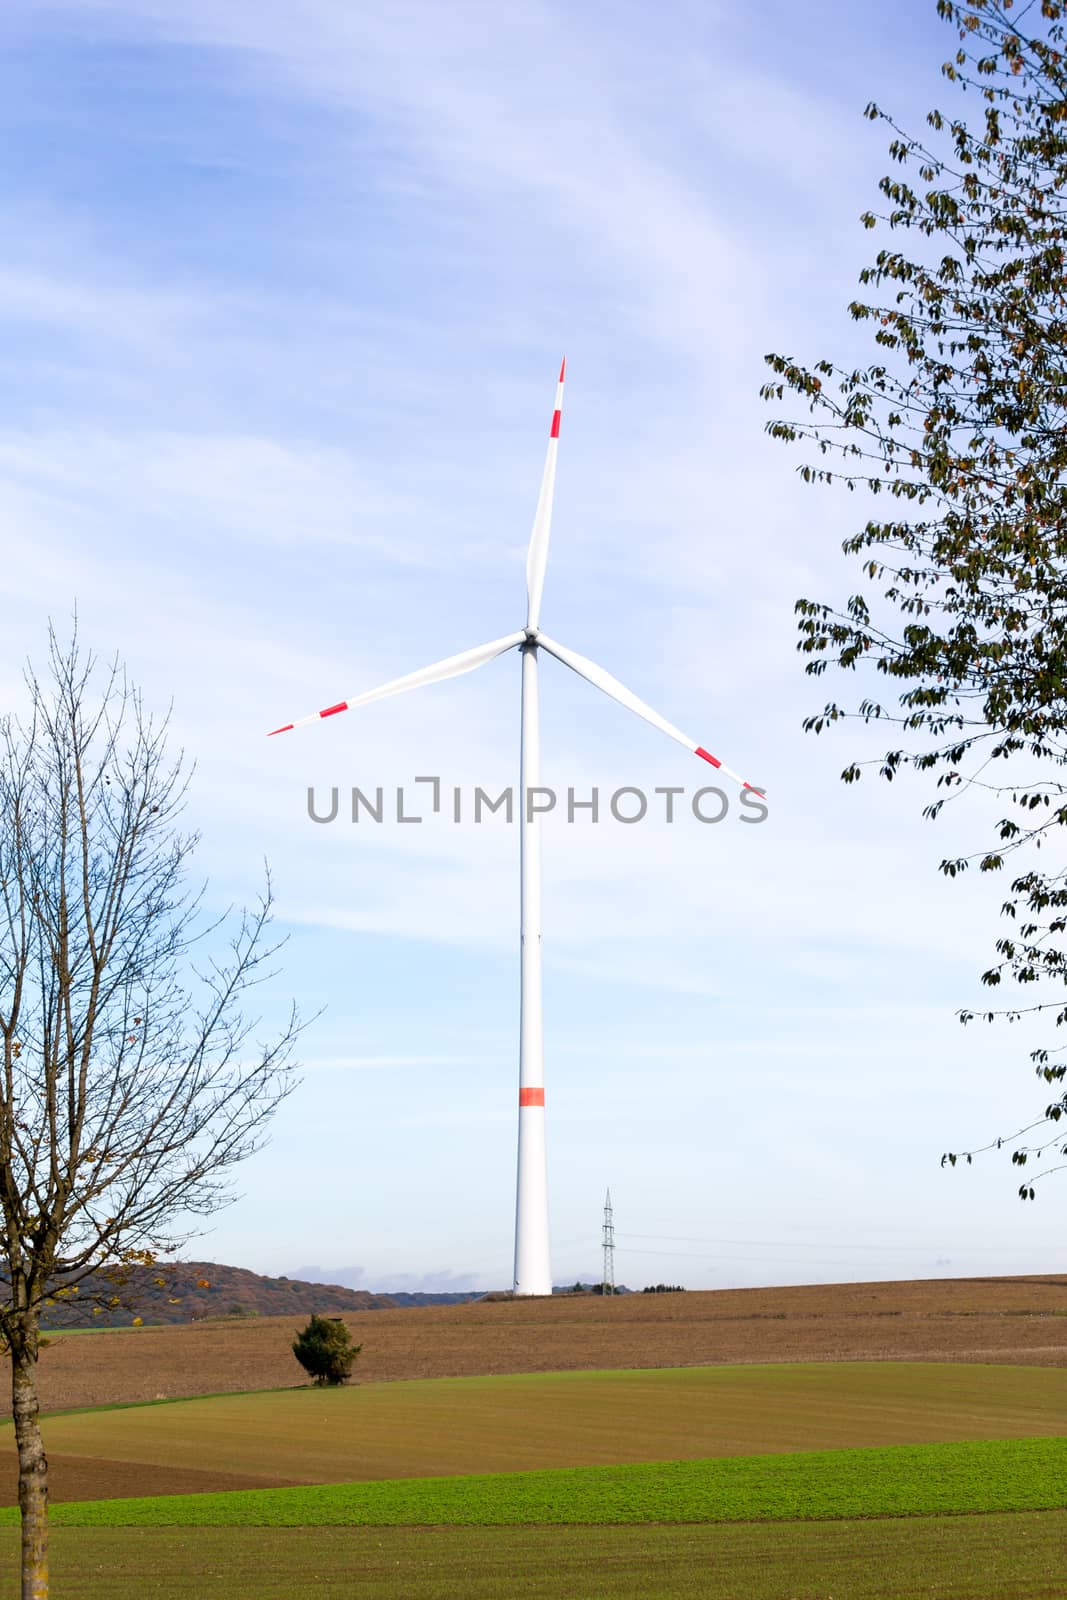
(901, 1480)
(1017, 1557)
(442, 1426)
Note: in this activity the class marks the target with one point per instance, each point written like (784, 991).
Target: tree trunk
(33, 1464)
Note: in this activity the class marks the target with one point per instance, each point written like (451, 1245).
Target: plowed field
(1016, 1320)
(444, 1427)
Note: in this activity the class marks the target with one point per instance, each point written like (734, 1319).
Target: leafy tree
(959, 633)
(131, 1087)
(325, 1350)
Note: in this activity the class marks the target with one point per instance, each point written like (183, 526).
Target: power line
(822, 1244)
(693, 1255)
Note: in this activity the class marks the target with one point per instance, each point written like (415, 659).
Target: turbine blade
(451, 667)
(611, 686)
(537, 555)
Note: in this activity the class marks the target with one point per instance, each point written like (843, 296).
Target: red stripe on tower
(706, 756)
(554, 434)
(531, 1097)
(331, 711)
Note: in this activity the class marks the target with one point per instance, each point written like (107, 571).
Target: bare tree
(131, 1083)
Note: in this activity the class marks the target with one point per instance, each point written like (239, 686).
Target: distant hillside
(399, 1297)
(229, 1292)
(236, 1292)
(352, 1278)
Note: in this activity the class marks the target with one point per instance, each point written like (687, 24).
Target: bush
(325, 1350)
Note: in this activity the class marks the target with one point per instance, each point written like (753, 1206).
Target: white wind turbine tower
(533, 1272)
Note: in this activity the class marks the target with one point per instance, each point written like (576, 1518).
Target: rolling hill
(193, 1290)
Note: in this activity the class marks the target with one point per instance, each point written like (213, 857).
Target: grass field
(901, 1480)
(1016, 1557)
(508, 1424)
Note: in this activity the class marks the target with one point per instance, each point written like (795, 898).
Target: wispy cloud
(548, 110)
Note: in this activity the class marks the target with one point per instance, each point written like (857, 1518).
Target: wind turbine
(533, 1272)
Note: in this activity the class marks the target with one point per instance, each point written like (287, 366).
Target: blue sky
(282, 299)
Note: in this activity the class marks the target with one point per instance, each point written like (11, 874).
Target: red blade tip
(286, 729)
(562, 368)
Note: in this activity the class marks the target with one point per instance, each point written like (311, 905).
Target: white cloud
(193, 488)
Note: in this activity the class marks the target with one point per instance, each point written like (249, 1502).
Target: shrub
(325, 1350)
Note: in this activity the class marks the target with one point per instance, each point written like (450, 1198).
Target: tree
(131, 1086)
(961, 421)
(325, 1350)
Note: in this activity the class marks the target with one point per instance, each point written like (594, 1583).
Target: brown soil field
(87, 1478)
(1017, 1320)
